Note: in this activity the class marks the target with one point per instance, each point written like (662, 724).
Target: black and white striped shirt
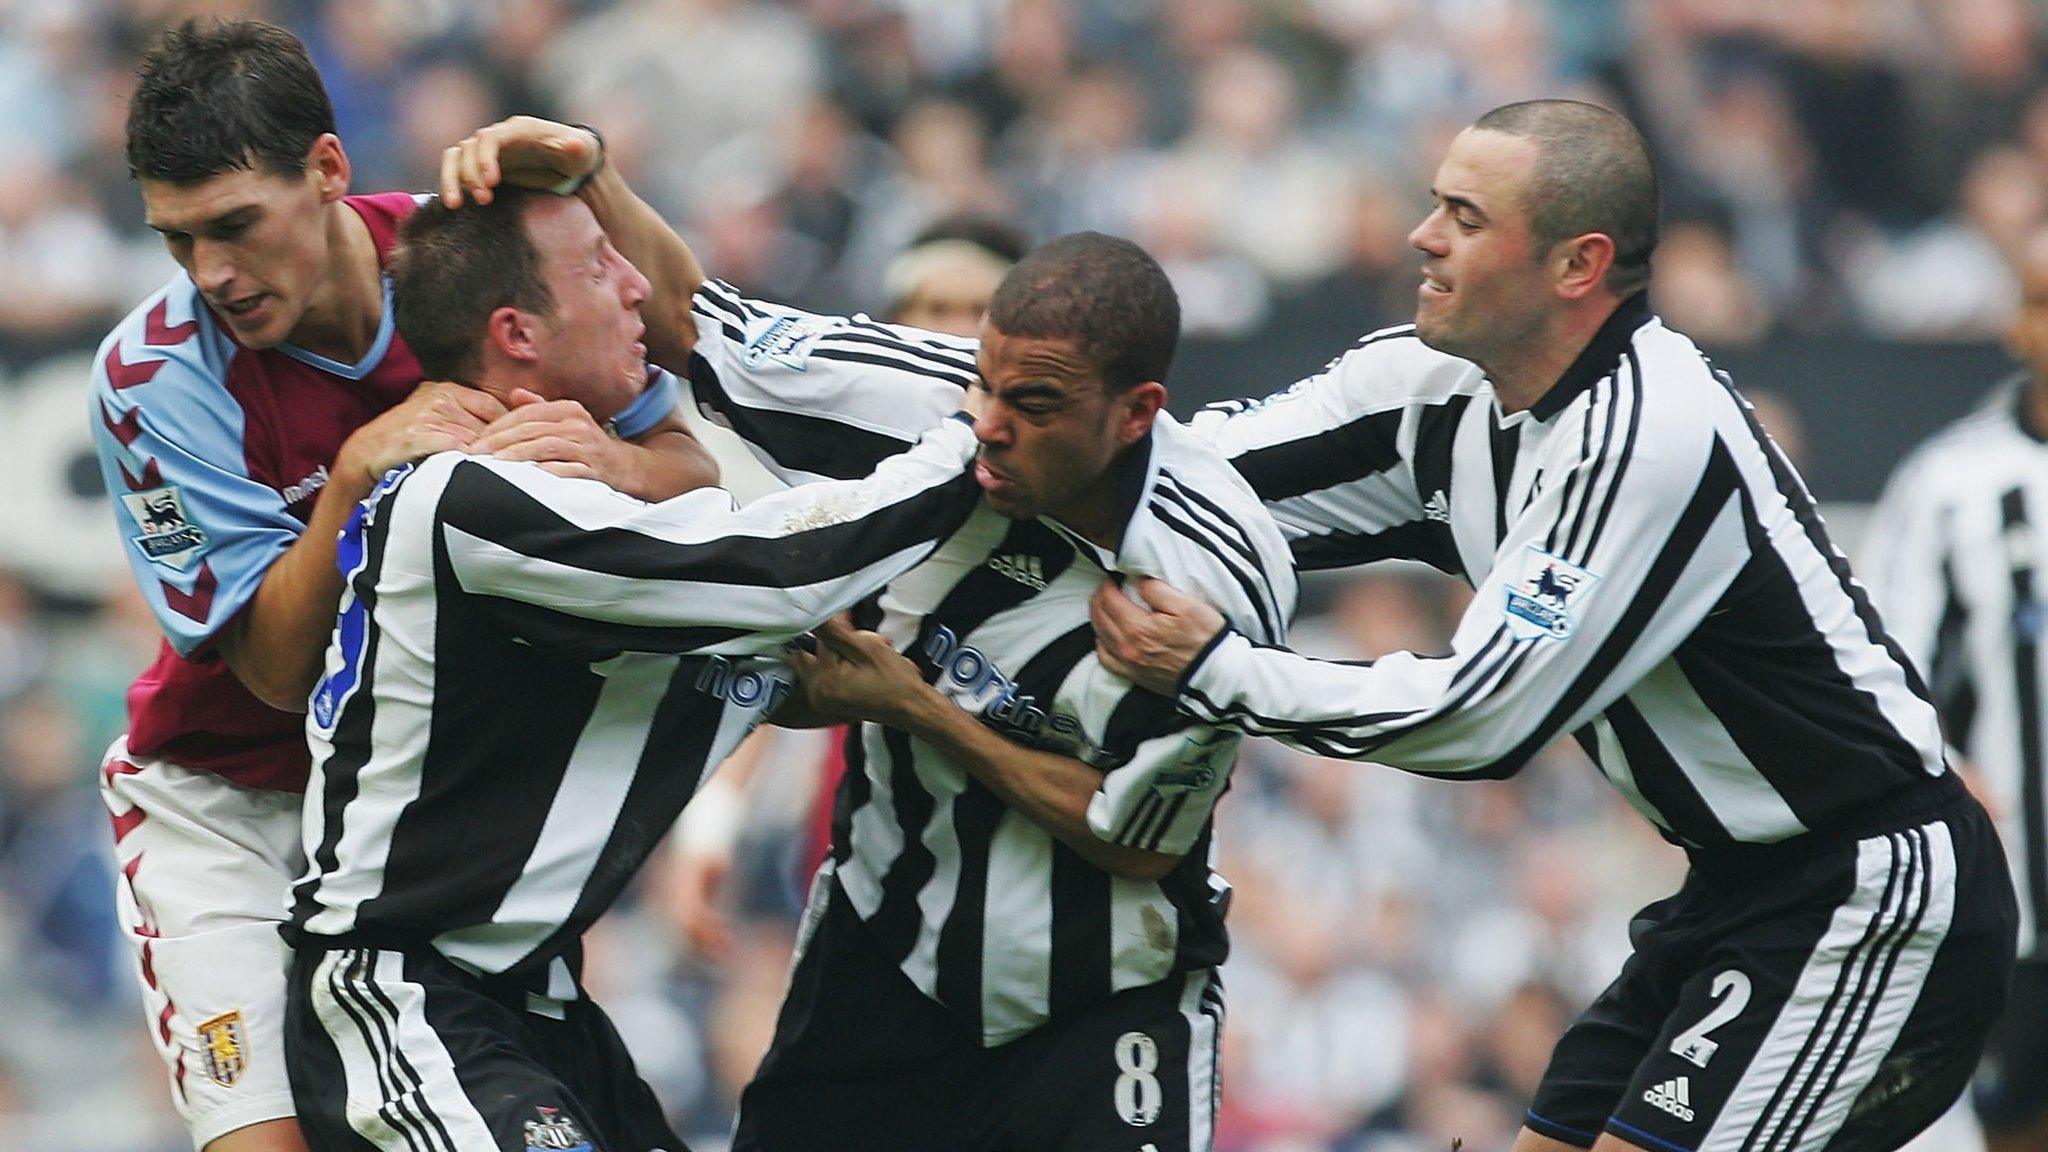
(1651, 577)
(1954, 554)
(530, 675)
(982, 909)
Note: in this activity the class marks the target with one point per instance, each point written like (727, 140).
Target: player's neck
(342, 319)
(1535, 365)
(1096, 514)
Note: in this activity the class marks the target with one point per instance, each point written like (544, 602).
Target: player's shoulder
(1683, 398)
(1207, 531)
(769, 334)
(384, 213)
(1397, 366)
(1388, 370)
(168, 345)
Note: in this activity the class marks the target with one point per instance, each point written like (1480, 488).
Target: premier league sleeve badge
(169, 537)
(1545, 597)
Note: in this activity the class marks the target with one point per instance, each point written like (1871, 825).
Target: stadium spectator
(1951, 556)
(1383, 84)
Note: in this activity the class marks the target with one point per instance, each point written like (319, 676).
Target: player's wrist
(577, 184)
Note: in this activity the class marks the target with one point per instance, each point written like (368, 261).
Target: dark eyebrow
(226, 219)
(1460, 203)
(1033, 390)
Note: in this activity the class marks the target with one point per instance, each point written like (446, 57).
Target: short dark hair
(1102, 292)
(998, 238)
(1593, 174)
(456, 266)
(225, 95)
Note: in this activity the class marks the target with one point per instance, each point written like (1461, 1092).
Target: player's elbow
(286, 691)
(284, 684)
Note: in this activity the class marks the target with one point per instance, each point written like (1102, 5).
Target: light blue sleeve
(198, 532)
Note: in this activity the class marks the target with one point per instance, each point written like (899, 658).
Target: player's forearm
(1051, 791)
(668, 461)
(276, 644)
(639, 232)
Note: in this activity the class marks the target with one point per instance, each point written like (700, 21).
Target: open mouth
(990, 479)
(245, 307)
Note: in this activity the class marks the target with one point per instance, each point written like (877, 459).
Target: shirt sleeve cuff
(1204, 686)
(649, 408)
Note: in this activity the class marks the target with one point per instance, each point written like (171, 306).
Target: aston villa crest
(225, 1045)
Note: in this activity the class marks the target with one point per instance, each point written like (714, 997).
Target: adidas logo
(1673, 1096)
(1437, 508)
(1022, 567)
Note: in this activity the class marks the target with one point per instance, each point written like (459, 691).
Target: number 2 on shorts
(1731, 988)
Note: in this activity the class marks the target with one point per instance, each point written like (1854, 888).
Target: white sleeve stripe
(715, 294)
(883, 361)
(1607, 402)
(1265, 600)
(1248, 583)
(1621, 461)
(1588, 470)
(1572, 477)
(952, 358)
(963, 345)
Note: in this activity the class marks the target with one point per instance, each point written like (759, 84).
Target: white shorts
(206, 869)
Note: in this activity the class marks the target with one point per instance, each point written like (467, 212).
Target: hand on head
(523, 151)
(1151, 647)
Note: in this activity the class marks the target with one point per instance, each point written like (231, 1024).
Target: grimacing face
(590, 348)
(1051, 432)
(1484, 281)
(254, 241)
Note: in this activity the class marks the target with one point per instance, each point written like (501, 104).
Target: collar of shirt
(1601, 355)
(1137, 473)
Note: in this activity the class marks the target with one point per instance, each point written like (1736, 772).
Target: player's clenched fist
(437, 417)
(1151, 644)
(523, 151)
(853, 675)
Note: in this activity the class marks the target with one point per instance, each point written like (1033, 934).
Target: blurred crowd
(1831, 165)
(1406, 950)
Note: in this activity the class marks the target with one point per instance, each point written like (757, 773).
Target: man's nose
(212, 271)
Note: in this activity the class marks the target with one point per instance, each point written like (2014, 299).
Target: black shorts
(862, 1060)
(404, 1052)
(1831, 992)
(2011, 1091)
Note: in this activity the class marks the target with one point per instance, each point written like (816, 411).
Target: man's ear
(513, 334)
(1140, 406)
(1582, 264)
(328, 162)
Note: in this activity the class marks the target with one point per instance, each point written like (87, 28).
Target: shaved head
(1593, 174)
